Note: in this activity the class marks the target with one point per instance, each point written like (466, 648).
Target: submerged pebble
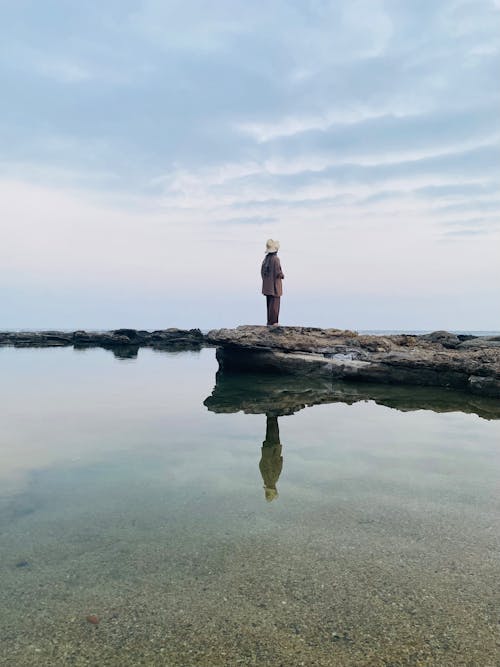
(93, 618)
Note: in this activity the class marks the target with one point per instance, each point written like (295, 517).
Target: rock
(93, 619)
(124, 342)
(306, 339)
(445, 338)
(179, 337)
(36, 338)
(132, 335)
(483, 342)
(438, 359)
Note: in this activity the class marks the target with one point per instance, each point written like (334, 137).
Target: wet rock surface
(440, 359)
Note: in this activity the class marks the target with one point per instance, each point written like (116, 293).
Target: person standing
(272, 275)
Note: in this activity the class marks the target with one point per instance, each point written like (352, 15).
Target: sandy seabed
(359, 583)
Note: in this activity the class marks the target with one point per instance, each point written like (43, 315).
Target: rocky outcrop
(438, 360)
(125, 343)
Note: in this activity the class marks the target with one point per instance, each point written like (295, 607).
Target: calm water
(358, 534)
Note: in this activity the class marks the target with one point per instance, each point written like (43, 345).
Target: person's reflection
(271, 461)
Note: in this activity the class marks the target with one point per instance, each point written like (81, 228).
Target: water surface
(343, 533)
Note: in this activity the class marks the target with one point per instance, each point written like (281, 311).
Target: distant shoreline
(366, 332)
(423, 332)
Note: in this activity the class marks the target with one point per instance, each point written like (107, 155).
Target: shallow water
(122, 495)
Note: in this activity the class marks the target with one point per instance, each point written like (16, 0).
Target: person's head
(272, 246)
(271, 493)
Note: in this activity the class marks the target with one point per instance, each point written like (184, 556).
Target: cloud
(250, 220)
(61, 70)
(154, 126)
(290, 125)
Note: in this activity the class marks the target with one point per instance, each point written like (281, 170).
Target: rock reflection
(253, 393)
(271, 461)
(124, 352)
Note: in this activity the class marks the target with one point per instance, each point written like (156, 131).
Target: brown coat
(272, 275)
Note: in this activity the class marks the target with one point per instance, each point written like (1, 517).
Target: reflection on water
(129, 351)
(271, 461)
(275, 395)
(285, 395)
(124, 499)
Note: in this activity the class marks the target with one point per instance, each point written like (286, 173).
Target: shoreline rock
(439, 359)
(124, 343)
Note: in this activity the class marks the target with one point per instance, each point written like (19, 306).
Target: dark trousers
(273, 309)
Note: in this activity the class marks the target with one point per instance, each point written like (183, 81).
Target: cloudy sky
(149, 148)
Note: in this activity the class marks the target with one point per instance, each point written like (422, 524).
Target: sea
(156, 512)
